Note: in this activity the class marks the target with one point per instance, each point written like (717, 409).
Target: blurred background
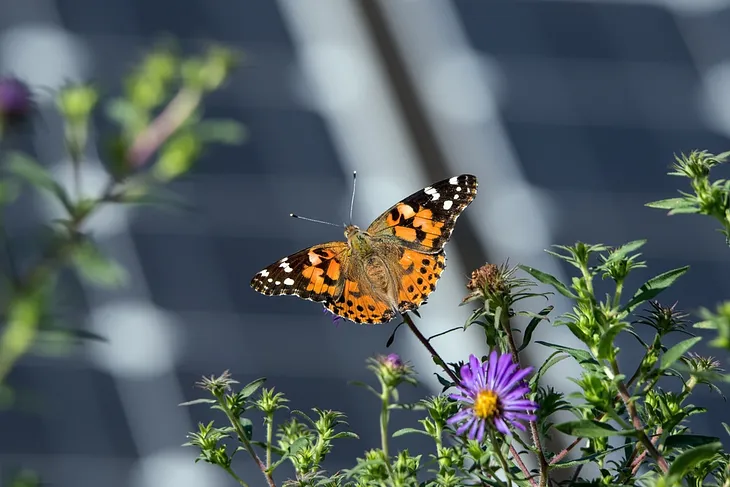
(568, 112)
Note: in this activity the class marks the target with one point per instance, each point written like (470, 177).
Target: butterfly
(390, 268)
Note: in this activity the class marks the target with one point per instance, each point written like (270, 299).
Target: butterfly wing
(418, 278)
(361, 307)
(424, 220)
(315, 273)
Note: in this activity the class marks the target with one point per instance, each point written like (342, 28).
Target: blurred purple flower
(392, 360)
(491, 394)
(336, 320)
(15, 100)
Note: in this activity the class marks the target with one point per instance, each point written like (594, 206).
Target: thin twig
(409, 321)
(636, 421)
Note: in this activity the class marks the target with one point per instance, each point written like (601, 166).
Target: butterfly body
(387, 269)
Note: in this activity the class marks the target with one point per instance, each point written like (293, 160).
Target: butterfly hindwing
(360, 307)
(424, 220)
(315, 273)
(420, 274)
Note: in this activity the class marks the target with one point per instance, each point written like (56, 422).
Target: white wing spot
(284, 259)
(264, 273)
(270, 280)
(432, 191)
(454, 180)
(289, 281)
(288, 270)
(277, 282)
(456, 196)
(458, 188)
(448, 204)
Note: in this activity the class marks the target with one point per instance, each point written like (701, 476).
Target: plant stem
(500, 457)
(246, 442)
(636, 421)
(617, 294)
(384, 419)
(269, 437)
(409, 321)
(542, 461)
(233, 474)
(180, 108)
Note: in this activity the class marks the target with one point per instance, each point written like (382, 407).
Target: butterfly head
(357, 239)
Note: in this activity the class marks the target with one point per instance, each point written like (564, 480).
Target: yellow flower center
(486, 404)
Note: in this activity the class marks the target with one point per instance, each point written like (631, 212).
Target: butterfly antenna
(312, 220)
(352, 202)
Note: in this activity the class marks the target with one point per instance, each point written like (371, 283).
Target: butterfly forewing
(314, 273)
(424, 220)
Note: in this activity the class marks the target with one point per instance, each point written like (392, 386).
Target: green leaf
(251, 387)
(297, 445)
(222, 131)
(546, 278)
(674, 353)
(533, 325)
(689, 210)
(97, 268)
(672, 203)
(623, 251)
(605, 344)
(9, 191)
(552, 360)
(345, 434)
(685, 462)
(406, 431)
(654, 286)
(683, 441)
(586, 459)
(197, 401)
(247, 426)
(29, 170)
(580, 356)
(588, 428)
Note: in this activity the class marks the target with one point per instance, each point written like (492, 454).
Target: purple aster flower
(15, 99)
(492, 394)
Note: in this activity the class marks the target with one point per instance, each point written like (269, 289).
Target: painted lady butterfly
(391, 267)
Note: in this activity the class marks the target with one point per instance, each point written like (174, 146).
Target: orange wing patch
(421, 272)
(322, 271)
(414, 225)
(359, 307)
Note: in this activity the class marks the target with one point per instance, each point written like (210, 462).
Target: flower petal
(480, 432)
(501, 426)
(465, 426)
(492, 367)
(460, 416)
(474, 429)
(515, 380)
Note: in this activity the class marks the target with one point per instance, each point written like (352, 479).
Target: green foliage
(159, 108)
(711, 198)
